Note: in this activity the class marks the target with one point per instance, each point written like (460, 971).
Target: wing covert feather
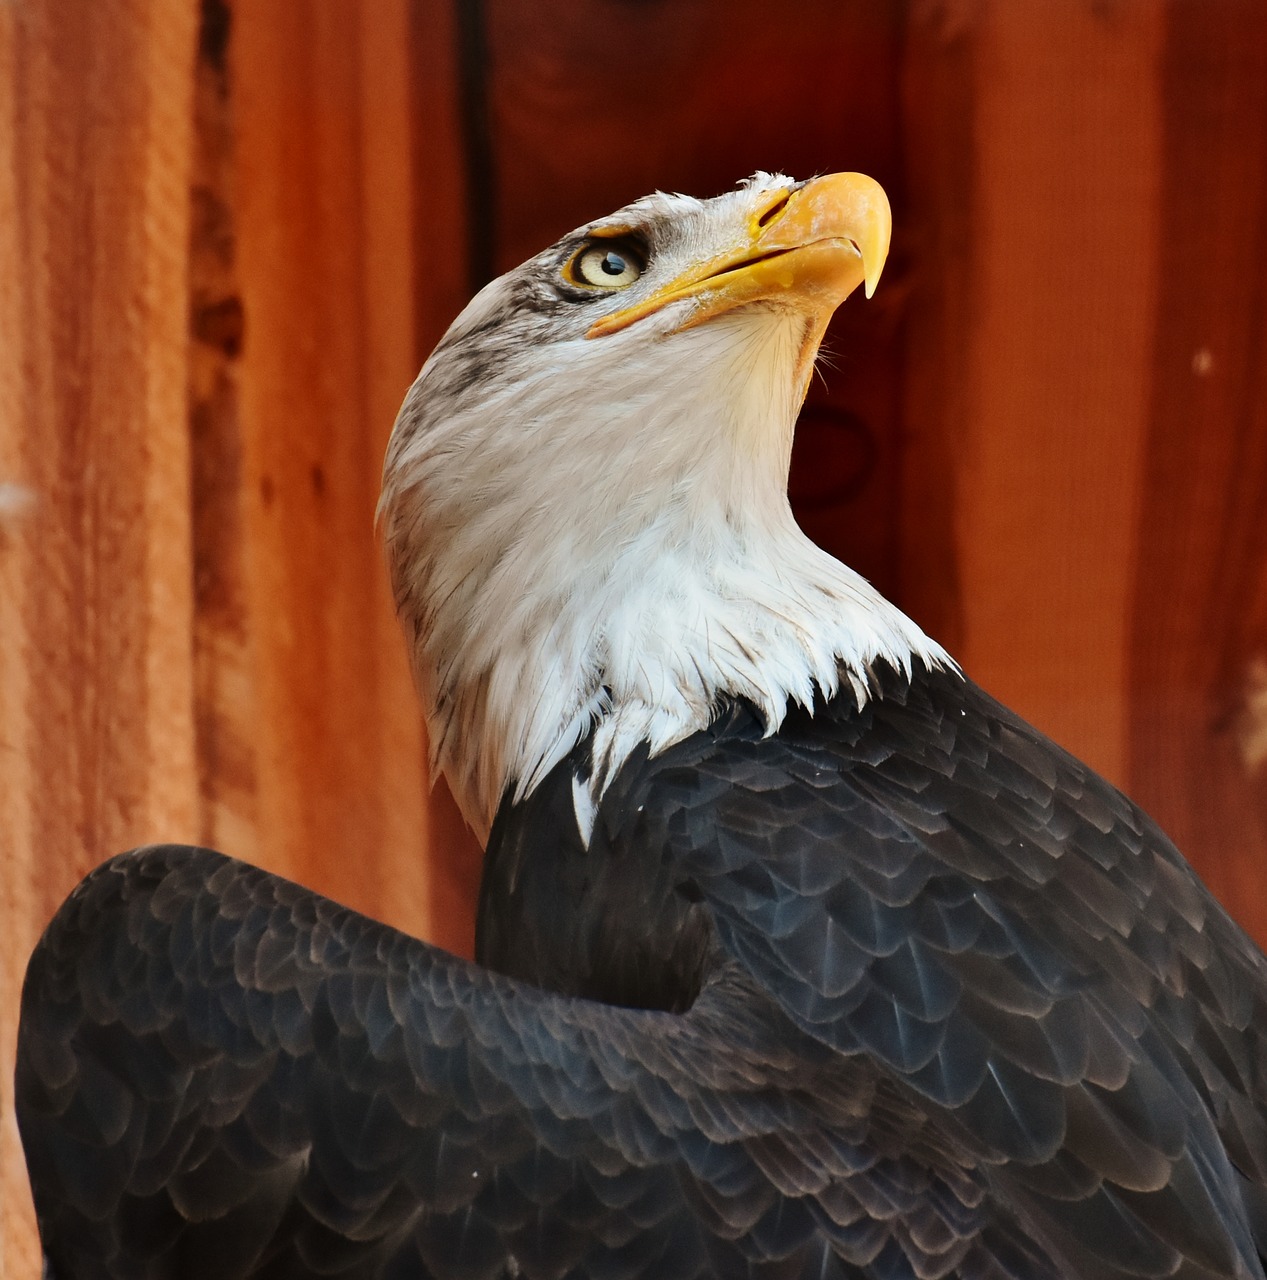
(1012, 941)
(222, 1074)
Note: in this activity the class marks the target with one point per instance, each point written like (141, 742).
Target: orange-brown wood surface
(1197, 688)
(96, 707)
(230, 232)
(322, 215)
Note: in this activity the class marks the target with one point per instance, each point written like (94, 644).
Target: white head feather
(594, 534)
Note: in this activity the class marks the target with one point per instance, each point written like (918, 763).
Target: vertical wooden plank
(1199, 640)
(391, 219)
(1091, 367)
(223, 675)
(324, 263)
(1054, 357)
(936, 235)
(442, 272)
(21, 904)
(441, 239)
(96, 740)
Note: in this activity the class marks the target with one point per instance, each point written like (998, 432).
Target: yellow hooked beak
(811, 248)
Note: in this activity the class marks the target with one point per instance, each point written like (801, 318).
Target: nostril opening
(772, 212)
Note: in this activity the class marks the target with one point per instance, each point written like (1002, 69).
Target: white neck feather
(549, 594)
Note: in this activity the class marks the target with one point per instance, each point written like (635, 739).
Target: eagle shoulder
(925, 881)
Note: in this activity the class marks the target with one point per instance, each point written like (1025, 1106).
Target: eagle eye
(605, 264)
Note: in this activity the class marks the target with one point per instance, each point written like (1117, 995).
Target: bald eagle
(799, 956)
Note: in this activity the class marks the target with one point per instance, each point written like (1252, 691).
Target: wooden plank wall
(228, 234)
(328, 736)
(210, 334)
(96, 713)
(1086, 363)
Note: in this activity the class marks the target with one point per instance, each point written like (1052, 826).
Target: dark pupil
(613, 264)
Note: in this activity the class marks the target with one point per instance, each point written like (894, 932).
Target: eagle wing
(223, 1074)
(968, 1013)
(930, 883)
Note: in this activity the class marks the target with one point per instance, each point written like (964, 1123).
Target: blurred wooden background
(229, 233)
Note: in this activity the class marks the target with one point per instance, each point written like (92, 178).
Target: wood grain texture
(936, 103)
(1066, 174)
(1199, 608)
(221, 630)
(95, 602)
(324, 227)
(1085, 483)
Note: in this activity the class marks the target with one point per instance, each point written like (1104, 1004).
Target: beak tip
(867, 210)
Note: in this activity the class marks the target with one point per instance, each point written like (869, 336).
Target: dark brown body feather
(902, 991)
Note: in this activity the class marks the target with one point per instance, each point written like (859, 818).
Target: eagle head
(585, 495)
